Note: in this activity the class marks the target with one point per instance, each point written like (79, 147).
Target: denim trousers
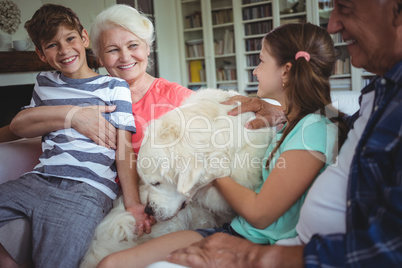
(62, 213)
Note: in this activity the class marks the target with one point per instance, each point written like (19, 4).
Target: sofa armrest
(346, 101)
(18, 157)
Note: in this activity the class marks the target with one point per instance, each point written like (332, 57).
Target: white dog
(182, 153)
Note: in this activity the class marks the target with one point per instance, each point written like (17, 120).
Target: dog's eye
(155, 183)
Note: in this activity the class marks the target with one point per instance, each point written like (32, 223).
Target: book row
(227, 73)
(193, 20)
(342, 66)
(222, 16)
(251, 77)
(252, 60)
(225, 45)
(195, 48)
(257, 12)
(253, 44)
(257, 27)
(244, 2)
(293, 20)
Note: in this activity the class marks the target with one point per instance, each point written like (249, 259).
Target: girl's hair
(121, 16)
(45, 23)
(307, 90)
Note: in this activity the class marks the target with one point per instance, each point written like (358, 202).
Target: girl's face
(269, 76)
(123, 54)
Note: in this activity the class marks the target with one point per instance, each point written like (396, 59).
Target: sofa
(18, 157)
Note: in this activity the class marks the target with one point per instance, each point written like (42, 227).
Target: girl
(296, 63)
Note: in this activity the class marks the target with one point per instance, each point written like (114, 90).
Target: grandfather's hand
(89, 122)
(227, 251)
(267, 115)
(219, 250)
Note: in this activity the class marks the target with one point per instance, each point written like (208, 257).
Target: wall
(167, 36)
(165, 27)
(85, 9)
(27, 9)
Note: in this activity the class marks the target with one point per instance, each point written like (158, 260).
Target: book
(196, 71)
(195, 48)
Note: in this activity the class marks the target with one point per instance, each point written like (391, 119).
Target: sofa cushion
(346, 101)
(18, 157)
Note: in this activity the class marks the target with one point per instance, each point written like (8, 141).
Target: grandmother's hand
(268, 115)
(89, 122)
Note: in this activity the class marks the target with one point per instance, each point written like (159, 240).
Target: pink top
(162, 96)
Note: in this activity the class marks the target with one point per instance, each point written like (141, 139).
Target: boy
(72, 188)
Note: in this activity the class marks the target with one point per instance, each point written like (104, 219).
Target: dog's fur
(182, 153)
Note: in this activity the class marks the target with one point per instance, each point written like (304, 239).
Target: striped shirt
(374, 198)
(69, 154)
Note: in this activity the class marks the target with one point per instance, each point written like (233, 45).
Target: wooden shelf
(21, 61)
(28, 61)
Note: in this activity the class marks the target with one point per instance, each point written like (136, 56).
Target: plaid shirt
(374, 207)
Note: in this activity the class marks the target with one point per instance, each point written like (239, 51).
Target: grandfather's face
(368, 28)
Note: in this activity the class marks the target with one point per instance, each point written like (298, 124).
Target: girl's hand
(143, 220)
(89, 122)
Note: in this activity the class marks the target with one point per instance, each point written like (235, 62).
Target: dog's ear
(187, 181)
(192, 174)
(204, 169)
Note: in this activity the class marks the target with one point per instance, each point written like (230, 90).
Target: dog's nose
(148, 210)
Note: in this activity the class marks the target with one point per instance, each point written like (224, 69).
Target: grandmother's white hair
(124, 16)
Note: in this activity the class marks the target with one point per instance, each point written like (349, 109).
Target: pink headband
(303, 54)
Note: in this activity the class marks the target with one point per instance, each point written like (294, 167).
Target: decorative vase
(5, 42)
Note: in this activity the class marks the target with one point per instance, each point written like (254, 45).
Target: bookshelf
(208, 39)
(224, 44)
(257, 20)
(192, 39)
(221, 39)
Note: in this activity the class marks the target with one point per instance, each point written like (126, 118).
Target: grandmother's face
(123, 54)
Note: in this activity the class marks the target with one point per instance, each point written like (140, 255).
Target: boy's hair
(45, 23)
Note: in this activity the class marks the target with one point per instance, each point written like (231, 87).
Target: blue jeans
(226, 229)
(63, 215)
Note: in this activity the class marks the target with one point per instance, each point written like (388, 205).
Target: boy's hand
(89, 122)
(143, 221)
(267, 114)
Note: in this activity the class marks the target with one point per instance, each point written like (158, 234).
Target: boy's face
(66, 52)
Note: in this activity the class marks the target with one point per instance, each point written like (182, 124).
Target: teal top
(313, 133)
